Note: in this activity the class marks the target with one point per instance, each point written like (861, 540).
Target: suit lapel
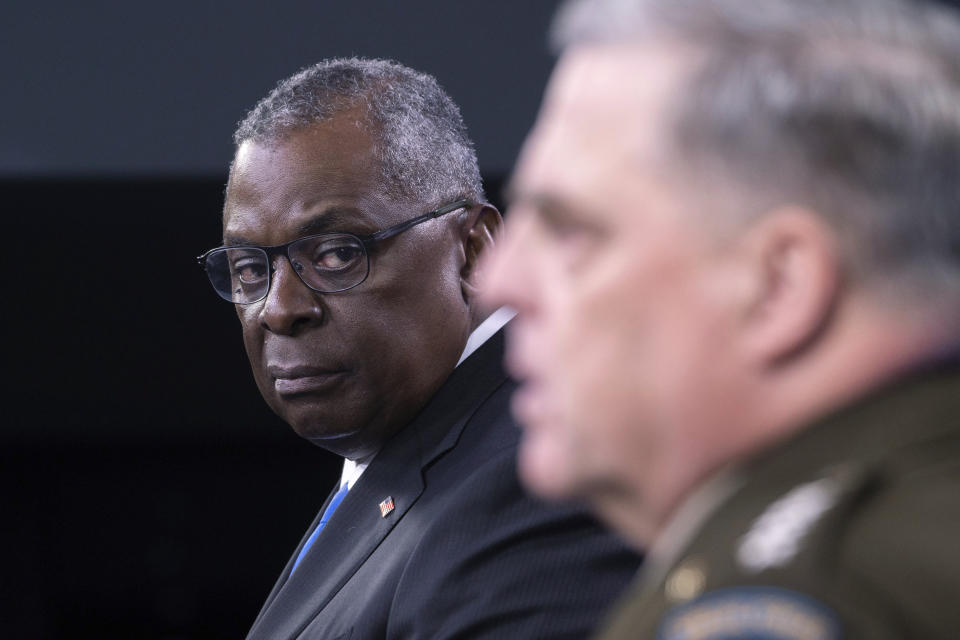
(353, 532)
(357, 527)
(285, 574)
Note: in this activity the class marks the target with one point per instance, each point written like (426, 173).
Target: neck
(863, 350)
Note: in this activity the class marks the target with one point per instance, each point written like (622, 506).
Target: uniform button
(685, 582)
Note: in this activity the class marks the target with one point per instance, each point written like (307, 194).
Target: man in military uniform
(734, 249)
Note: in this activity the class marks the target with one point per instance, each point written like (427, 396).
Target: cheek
(585, 438)
(253, 344)
(605, 406)
(251, 332)
(629, 345)
(627, 350)
(596, 349)
(585, 401)
(404, 346)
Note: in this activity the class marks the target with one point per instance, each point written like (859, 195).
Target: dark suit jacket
(465, 553)
(851, 529)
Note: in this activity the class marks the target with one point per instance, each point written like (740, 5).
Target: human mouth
(292, 381)
(528, 404)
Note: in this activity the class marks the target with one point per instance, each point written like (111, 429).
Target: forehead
(328, 169)
(606, 114)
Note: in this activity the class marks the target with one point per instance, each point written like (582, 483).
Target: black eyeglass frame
(367, 241)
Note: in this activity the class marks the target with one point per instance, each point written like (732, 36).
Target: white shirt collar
(494, 322)
(353, 469)
(686, 522)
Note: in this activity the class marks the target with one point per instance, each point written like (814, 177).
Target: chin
(314, 425)
(546, 470)
(348, 435)
(347, 445)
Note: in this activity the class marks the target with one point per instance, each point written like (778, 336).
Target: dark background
(147, 491)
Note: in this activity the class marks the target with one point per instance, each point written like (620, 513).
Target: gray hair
(850, 107)
(421, 141)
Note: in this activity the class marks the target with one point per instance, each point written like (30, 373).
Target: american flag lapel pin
(386, 506)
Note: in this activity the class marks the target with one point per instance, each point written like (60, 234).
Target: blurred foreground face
(622, 336)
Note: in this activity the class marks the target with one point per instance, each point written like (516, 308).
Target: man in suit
(734, 249)
(353, 220)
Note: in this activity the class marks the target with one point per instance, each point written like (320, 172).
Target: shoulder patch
(774, 538)
(754, 613)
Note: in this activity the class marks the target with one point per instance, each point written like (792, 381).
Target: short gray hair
(419, 134)
(851, 107)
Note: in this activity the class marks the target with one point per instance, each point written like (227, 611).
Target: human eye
(562, 228)
(574, 239)
(565, 230)
(337, 254)
(248, 268)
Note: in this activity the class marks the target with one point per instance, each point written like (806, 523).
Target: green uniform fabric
(851, 529)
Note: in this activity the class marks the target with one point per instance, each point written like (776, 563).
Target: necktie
(334, 503)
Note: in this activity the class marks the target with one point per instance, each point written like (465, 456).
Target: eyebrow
(543, 204)
(553, 209)
(333, 219)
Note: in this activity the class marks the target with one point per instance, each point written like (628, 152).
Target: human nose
(290, 306)
(508, 274)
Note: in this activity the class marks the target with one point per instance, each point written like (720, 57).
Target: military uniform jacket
(849, 530)
(437, 539)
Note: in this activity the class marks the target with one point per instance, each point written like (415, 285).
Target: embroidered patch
(775, 537)
(386, 507)
(757, 613)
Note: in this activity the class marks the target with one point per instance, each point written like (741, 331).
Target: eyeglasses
(326, 262)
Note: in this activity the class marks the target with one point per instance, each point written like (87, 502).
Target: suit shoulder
(901, 545)
(494, 562)
(873, 545)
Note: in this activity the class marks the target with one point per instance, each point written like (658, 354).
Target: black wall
(106, 87)
(149, 491)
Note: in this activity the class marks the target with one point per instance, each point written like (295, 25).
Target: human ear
(794, 284)
(480, 229)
